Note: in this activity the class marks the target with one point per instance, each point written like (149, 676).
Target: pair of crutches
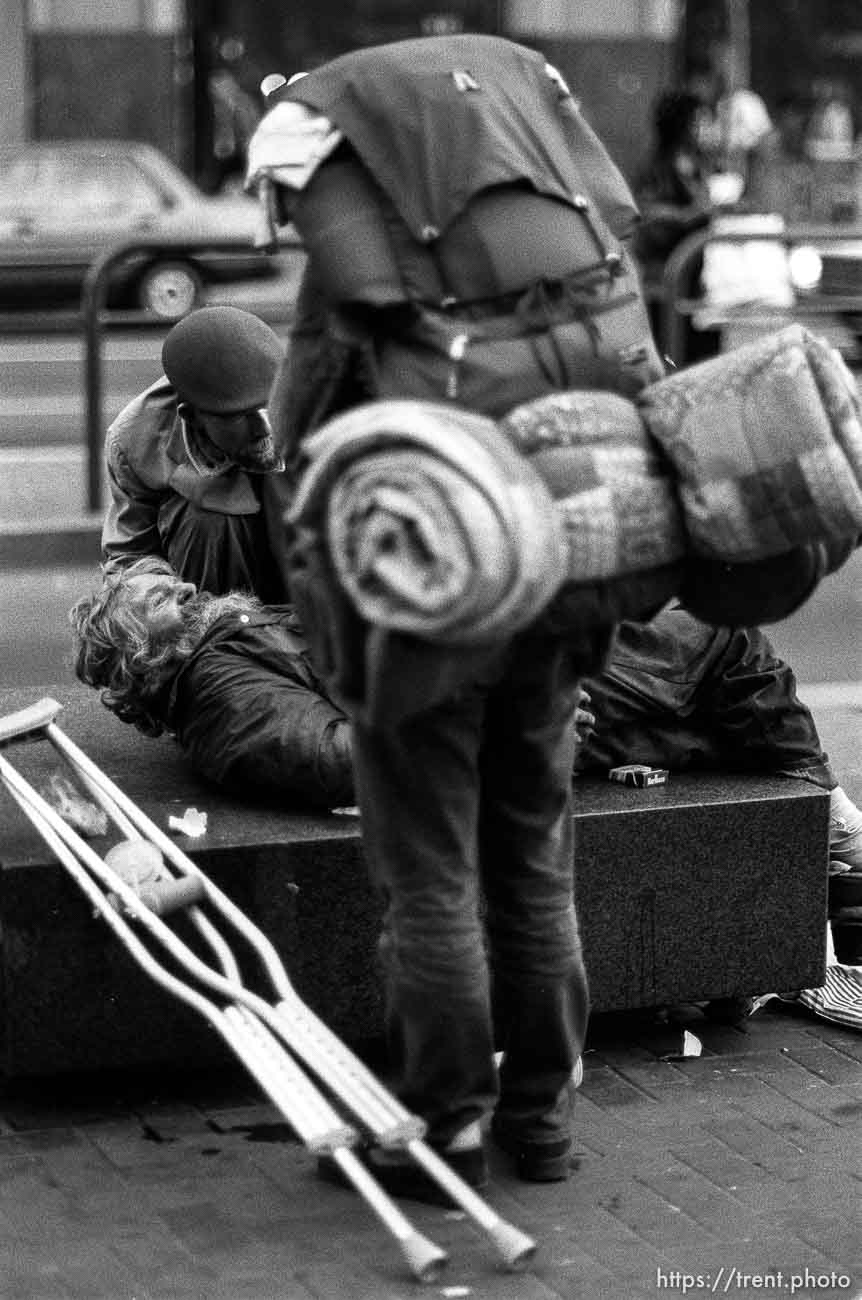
(273, 1040)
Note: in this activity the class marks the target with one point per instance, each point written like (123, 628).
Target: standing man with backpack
(465, 231)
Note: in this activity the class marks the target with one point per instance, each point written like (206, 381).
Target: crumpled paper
(192, 823)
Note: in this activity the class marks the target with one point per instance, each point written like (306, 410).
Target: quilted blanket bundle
(722, 483)
(613, 492)
(766, 443)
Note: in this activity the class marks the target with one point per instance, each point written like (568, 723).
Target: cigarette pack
(639, 774)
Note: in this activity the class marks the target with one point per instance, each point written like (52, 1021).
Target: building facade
(144, 68)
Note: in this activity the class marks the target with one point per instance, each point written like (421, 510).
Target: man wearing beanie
(194, 470)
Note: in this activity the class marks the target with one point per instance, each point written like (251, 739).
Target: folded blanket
(767, 444)
(435, 526)
(289, 144)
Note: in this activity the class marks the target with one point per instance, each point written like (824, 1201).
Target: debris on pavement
(192, 823)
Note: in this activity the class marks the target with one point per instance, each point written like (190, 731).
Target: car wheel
(169, 290)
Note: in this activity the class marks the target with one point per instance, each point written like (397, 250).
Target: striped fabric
(839, 998)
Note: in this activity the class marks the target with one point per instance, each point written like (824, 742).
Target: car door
(90, 200)
(21, 187)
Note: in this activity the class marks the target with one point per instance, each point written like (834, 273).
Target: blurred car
(63, 203)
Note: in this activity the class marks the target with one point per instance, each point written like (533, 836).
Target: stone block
(708, 887)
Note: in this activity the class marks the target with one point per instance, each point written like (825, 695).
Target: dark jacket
(678, 693)
(251, 715)
(151, 482)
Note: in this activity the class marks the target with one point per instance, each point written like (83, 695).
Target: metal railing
(676, 306)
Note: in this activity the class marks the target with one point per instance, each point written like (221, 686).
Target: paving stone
(826, 1062)
(27, 1275)
(727, 1168)
(721, 1214)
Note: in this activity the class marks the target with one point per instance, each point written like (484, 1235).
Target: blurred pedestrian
(674, 197)
(831, 130)
(782, 176)
(235, 114)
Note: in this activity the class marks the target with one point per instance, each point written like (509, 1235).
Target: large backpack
(468, 232)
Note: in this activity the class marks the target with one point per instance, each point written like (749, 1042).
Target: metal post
(92, 304)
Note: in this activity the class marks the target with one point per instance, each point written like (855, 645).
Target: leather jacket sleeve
(251, 716)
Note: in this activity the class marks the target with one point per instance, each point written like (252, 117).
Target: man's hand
(585, 722)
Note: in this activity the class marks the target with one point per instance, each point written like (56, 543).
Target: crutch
(290, 1020)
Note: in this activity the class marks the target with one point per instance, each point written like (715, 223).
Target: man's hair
(114, 650)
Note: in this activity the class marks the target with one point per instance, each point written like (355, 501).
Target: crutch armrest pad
(34, 718)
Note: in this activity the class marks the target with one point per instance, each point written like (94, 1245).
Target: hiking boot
(537, 1160)
(401, 1176)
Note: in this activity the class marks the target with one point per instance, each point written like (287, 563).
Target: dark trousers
(466, 815)
(221, 553)
(678, 693)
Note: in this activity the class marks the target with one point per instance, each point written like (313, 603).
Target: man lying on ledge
(228, 676)
(231, 679)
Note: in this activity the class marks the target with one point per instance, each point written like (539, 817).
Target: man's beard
(169, 655)
(202, 610)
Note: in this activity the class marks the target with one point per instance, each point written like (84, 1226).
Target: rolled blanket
(434, 524)
(767, 444)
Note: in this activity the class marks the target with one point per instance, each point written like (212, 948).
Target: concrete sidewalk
(44, 514)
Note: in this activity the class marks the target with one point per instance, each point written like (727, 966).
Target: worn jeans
(679, 693)
(466, 816)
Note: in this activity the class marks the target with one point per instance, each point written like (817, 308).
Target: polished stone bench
(706, 888)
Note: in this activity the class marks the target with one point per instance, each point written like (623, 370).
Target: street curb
(64, 542)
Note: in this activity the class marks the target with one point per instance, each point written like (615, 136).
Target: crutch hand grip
(34, 718)
(165, 896)
(170, 895)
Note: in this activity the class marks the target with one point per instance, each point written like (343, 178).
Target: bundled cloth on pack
(612, 491)
(766, 444)
(726, 484)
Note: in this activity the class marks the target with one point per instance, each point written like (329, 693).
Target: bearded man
(228, 677)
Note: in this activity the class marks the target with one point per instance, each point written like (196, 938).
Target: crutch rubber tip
(515, 1248)
(425, 1259)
